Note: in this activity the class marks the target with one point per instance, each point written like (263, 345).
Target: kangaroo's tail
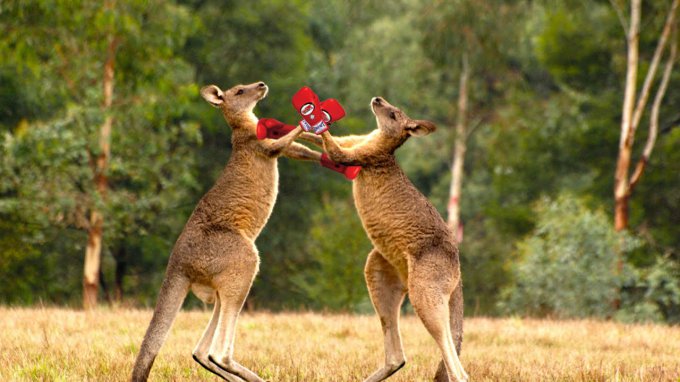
(456, 316)
(173, 292)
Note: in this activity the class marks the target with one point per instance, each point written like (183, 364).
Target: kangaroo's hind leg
(233, 287)
(200, 353)
(433, 277)
(387, 294)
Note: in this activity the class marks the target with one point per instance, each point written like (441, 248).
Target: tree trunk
(95, 232)
(459, 153)
(621, 193)
(621, 213)
(92, 261)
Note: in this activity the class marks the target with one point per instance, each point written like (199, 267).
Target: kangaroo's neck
(241, 119)
(243, 128)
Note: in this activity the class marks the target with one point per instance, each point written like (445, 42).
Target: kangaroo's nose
(377, 100)
(261, 84)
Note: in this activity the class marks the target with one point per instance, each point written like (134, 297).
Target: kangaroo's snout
(262, 88)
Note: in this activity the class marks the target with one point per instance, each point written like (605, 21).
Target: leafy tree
(469, 50)
(567, 265)
(605, 61)
(115, 156)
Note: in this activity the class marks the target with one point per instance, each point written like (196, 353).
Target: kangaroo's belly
(387, 227)
(399, 220)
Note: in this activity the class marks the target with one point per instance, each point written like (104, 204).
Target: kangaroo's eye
(393, 116)
(239, 92)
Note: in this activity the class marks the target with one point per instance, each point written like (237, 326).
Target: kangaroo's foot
(211, 367)
(233, 367)
(385, 371)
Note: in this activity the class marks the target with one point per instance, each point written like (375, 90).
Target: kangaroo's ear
(419, 127)
(213, 95)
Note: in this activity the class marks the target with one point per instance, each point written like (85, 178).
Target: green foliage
(574, 47)
(339, 248)
(567, 266)
(485, 260)
(19, 256)
(244, 42)
(656, 206)
(652, 293)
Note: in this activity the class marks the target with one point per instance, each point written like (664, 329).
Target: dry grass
(65, 345)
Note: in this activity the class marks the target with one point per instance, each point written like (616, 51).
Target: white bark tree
(634, 107)
(99, 165)
(460, 147)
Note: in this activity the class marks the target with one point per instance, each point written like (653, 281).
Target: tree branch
(631, 82)
(654, 118)
(651, 73)
(619, 14)
(472, 127)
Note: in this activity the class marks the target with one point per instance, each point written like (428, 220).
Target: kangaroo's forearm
(312, 138)
(276, 147)
(348, 141)
(348, 157)
(345, 141)
(301, 152)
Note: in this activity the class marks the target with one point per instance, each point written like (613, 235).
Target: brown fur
(414, 250)
(215, 255)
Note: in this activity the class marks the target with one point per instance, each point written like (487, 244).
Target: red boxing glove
(306, 102)
(350, 172)
(332, 110)
(271, 128)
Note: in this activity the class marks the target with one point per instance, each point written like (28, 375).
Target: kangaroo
(414, 250)
(215, 255)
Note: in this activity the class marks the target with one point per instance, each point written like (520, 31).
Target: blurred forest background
(103, 135)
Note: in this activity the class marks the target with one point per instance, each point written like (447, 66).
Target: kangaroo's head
(237, 103)
(395, 126)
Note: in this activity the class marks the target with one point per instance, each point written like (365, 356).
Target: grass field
(66, 345)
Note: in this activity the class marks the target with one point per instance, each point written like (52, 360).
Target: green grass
(66, 345)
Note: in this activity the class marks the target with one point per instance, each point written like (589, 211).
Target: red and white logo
(307, 109)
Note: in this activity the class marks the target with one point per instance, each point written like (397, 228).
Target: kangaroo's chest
(244, 197)
(253, 203)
